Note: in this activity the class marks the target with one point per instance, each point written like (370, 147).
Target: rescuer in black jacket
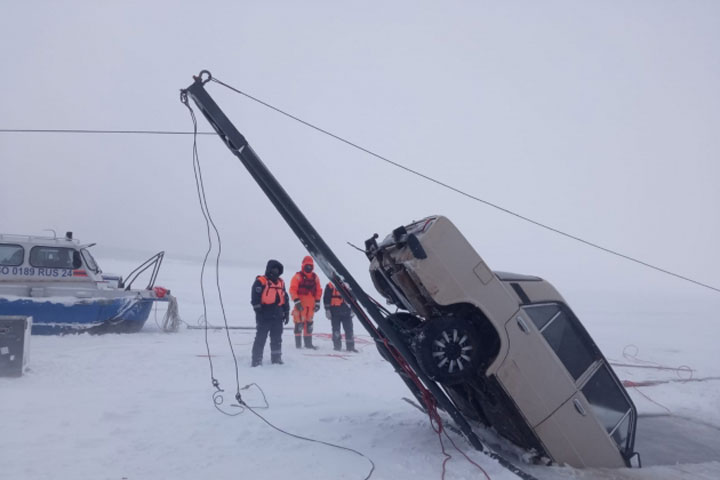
(270, 302)
(339, 313)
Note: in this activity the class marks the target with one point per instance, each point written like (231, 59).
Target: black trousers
(347, 325)
(273, 326)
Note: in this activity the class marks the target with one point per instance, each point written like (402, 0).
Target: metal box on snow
(14, 344)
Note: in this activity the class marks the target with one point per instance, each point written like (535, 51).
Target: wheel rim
(452, 351)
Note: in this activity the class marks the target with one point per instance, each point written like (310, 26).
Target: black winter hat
(275, 264)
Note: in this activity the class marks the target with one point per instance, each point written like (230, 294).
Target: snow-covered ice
(140, 406)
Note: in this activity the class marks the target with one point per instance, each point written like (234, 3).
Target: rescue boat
(57, 282)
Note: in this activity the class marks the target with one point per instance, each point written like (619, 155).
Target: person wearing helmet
(270, 302)
(306, 292)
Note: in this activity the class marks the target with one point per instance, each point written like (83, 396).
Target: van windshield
(611, 405)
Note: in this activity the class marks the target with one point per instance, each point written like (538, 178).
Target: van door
(594, 426)
(531, 372)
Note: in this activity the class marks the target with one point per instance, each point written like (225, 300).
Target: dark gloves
(327, 315)
(298, 305)
(317, 306)
(287, 318)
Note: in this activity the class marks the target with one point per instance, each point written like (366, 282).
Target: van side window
(542, 314)
(565, 336)
(11, 255)
(53, 257)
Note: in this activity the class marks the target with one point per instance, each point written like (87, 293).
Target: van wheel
(449, 350)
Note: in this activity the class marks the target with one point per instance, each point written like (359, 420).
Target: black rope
(266, 404)
(217, 396)
(209, 223)
(90, 131)
(209, 249)
(462, 192)
(218, 400)
(380, 157)
(308, 439)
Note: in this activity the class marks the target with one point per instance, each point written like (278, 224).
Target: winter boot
(307, 335)
(276, 358)
(256, 363)
(337, 341)
(351, 347)
(298, 333)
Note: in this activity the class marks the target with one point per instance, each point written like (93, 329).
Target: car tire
(449, 349)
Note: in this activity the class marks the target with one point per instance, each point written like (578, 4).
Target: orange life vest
(273, 293)
(335, 298)
(307, 284)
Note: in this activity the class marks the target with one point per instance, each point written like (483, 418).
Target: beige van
(507, 348)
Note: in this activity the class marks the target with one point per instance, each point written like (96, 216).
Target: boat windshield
(89, 260)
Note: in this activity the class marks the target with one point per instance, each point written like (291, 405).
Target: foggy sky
(599, 119)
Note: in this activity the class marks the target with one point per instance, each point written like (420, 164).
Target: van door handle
(521, 325)
(579, 407)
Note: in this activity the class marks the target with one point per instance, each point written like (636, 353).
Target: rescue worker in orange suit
(339, 313)
(270, 302)
(306, 292)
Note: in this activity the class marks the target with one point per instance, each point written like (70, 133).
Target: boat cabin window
(89, 260)
(55, 257)
(11, 255)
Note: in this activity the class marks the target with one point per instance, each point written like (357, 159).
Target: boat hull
(93, 315)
